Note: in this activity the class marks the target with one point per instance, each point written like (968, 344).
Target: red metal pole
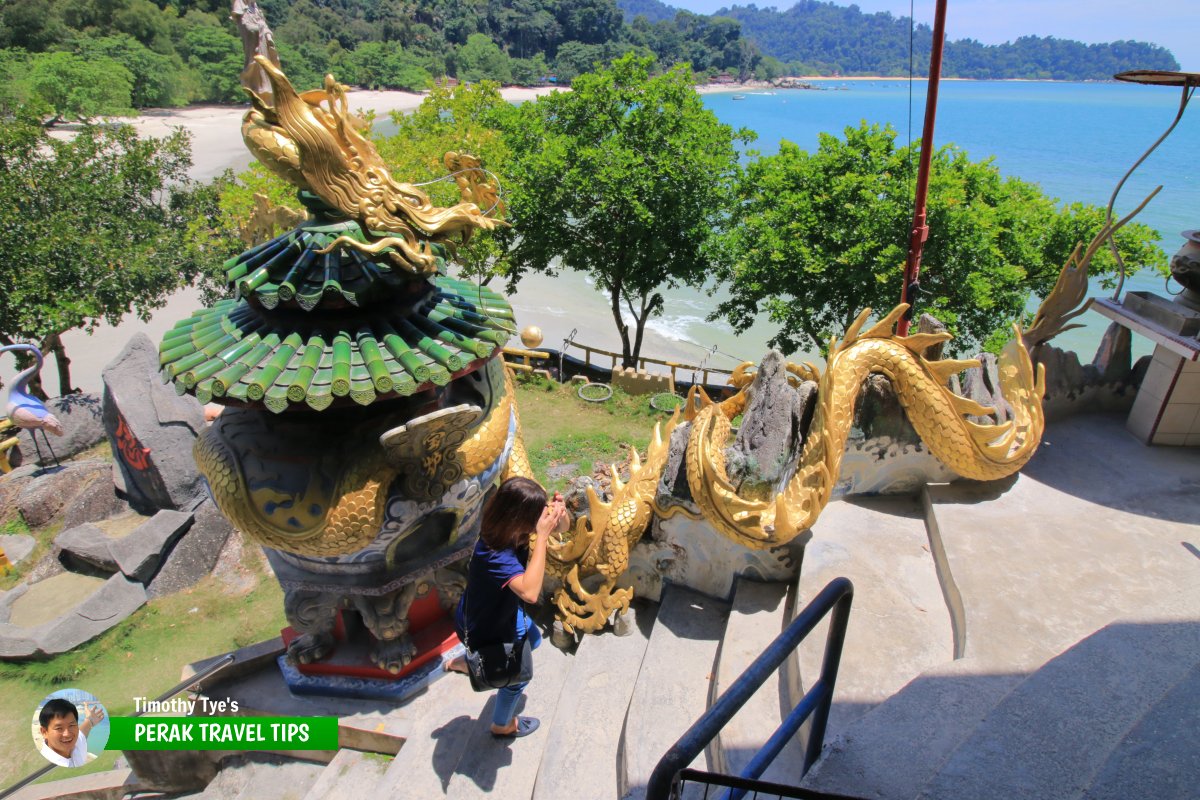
(920, 231)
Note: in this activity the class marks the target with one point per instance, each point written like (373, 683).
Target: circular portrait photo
(70, 728)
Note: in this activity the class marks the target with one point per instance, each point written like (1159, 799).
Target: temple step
(582, 755)
(1067, 720)
(900, 624)
(263, 778)
(759, 614)
(674, 686)
(450, 751)
(893, 750)
(351, 775)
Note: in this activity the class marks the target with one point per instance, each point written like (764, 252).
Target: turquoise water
(1074, 140)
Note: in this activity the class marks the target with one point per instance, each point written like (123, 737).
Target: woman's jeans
(506, 698)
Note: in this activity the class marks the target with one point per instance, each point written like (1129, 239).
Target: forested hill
(100, 55)
(819, 38)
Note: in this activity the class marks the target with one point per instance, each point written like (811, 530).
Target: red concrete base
(430, 627)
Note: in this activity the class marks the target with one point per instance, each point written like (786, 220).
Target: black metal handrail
(208, 672)
(835, 597)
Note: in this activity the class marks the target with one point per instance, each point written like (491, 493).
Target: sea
(1075, 140)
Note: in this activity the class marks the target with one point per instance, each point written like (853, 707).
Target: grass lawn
(144, 654)
(561, 429)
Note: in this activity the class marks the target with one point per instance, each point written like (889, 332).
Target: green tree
(481, 59)
(66, 86)
(215, 58)
(156, 78)
(91, 228)
(818, 237)
(626, 178)
(463, 119)
(380, 65)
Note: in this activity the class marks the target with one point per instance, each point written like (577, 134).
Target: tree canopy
(91, 228)
(625, 178)
(173, 52)
(817, 237)
(824, 38)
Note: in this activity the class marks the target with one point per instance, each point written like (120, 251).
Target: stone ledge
(115, 600)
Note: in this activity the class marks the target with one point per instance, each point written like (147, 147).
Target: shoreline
(718, 88)
(216, 129)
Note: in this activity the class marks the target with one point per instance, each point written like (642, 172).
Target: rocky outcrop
(136, 555)
(151, 430)
(41, 498)
(772, 431)
(195, 555)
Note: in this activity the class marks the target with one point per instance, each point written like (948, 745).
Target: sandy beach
(557, 305)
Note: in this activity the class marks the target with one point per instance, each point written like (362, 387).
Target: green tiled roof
(289, 272)
(420, 334)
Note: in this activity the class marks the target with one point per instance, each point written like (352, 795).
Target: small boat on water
(739, 97)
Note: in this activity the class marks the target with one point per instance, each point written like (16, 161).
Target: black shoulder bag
(495, 666)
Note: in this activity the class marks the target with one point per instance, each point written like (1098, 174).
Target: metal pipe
(920, 231)
(838, 595)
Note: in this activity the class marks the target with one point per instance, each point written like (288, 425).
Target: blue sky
(1174, 24)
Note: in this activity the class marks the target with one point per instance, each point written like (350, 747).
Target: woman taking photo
(505, 571)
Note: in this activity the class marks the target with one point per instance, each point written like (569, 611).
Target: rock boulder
(82, 429)
(151, 430)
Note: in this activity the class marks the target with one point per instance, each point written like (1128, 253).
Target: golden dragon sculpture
(600, 545)
(311, 140)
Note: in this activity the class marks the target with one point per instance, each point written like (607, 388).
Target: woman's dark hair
(512, 513)
(57, 708)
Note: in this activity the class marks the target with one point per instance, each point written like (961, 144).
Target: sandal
(525, 726)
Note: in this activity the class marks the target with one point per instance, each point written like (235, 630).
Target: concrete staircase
(1038, 639)
(1074, 597)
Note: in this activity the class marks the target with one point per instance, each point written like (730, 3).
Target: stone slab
(288, 780)
(1095, 528)
(89, 544)
(17, 546)
(71, 624)
(759, 614)
(899, 622)
(675, 685)
(139, 554)
(583, 751)
(195, 555)
(1061, 724)
(46, 601)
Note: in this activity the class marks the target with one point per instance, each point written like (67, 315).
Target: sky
(1174, 24)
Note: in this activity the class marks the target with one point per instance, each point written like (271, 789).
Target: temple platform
(1037, 637)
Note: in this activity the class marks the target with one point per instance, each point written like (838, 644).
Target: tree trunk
(641, 329)
(627, 358)
(53, 343)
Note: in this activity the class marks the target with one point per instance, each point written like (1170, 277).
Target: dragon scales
(600, 544)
